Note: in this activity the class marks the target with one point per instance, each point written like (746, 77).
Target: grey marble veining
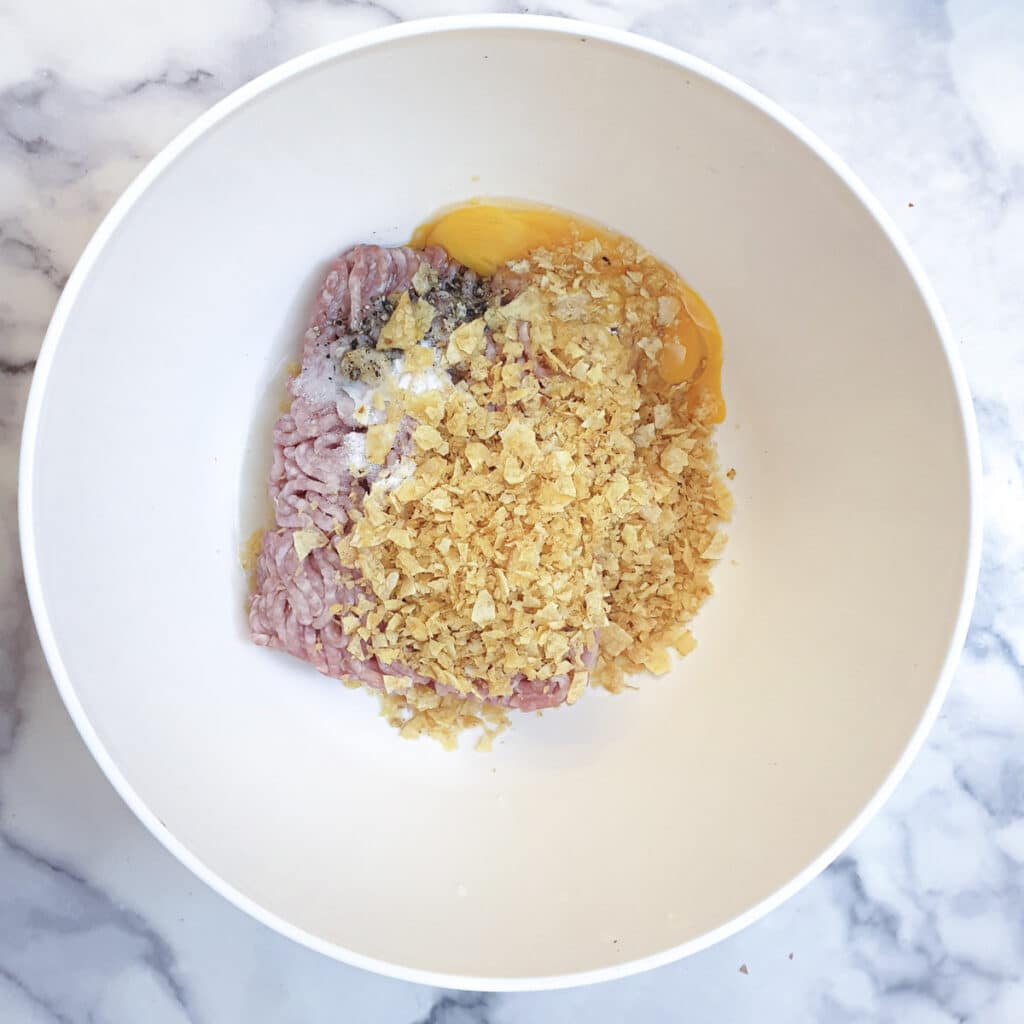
(922, 921)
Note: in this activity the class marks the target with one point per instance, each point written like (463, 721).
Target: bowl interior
(593, 837)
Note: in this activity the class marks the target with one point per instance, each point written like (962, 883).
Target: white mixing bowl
(598, 840)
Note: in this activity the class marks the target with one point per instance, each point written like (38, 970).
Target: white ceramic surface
(625, 832)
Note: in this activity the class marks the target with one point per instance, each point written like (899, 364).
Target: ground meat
(311, 483)
(352, 306)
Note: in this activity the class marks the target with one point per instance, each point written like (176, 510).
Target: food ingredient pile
(493, 489)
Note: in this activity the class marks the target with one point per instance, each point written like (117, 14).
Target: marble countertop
(922, 920)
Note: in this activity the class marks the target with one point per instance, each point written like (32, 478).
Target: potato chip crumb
(379, 439)
(418, 359)
(715, 547)
(614, 639)
(668, 309)
(657, 661)
(674, 460)
(684, 642)
(465, 341)
(483, 609)
(250, 550)
(427, 437)
(308, 539)
(408, 324)
(424, 279)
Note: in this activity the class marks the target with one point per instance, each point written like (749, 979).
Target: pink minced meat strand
(310, 483)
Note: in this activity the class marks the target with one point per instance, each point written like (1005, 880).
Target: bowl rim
(223, 109)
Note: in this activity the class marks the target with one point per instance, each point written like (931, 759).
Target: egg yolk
(484, 237)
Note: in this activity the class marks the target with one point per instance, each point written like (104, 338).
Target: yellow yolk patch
(487, 236)
(692, 351)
